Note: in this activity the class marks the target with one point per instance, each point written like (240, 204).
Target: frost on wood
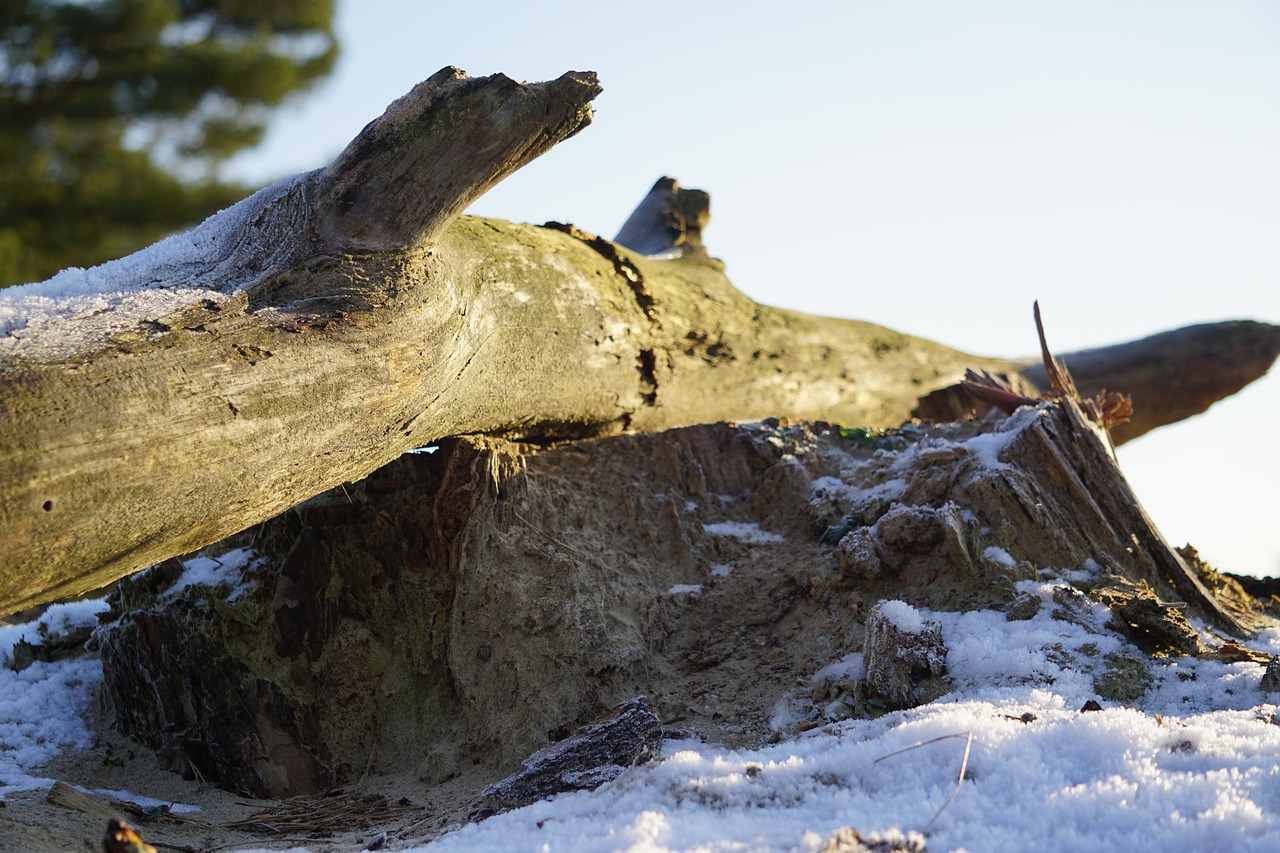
(596, 753)
(901, 649)
(77, 310)
(158, 403)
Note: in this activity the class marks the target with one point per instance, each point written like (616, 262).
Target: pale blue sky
(933, 166)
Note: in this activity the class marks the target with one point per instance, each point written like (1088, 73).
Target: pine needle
(964, 766)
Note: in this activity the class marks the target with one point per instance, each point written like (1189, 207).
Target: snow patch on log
(224, 255)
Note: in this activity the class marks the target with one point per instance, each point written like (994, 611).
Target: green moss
(1126, 678)
(1058, 655)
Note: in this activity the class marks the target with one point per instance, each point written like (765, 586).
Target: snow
(828, 487)
(902, 616)
(988, 445)
(747, 532)
(685, 589)
(144, 802)
(999, 555)
(985, 447)
(40, 713)
(59, 619)
(225, 570)
(1195, 765)
(208, 263)
(1194, 768)
(850, 666)
(1066, 781)
(42, 707)
(887, 472)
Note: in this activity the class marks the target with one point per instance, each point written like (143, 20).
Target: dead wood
(628, 734)
(328, 812)
(898, 658)
(1169, 376)
(321, 328)
(62, 794)
(668, 221)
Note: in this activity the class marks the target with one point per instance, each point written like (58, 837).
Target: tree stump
(481, 602)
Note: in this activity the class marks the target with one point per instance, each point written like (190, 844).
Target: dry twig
(1108, 408)
(336, 811)
(964, 766)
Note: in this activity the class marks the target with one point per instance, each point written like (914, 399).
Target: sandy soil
(33, 825)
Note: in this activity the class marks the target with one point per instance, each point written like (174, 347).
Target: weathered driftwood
(471, 606)
(1171, 376)
(629, 733)
(324, 326)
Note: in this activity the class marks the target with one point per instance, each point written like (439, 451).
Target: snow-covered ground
(1194, 767)
(42, 707)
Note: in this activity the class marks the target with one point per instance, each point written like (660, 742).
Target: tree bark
(319, 329)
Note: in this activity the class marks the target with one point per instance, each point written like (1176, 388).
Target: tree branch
(439, 148)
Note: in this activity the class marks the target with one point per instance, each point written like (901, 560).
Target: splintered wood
(1108, 409)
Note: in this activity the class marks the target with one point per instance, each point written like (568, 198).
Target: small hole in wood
(48, 506)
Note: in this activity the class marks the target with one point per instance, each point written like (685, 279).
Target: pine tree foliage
(115, 115)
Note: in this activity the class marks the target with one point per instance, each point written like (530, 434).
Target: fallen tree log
(322, 327)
